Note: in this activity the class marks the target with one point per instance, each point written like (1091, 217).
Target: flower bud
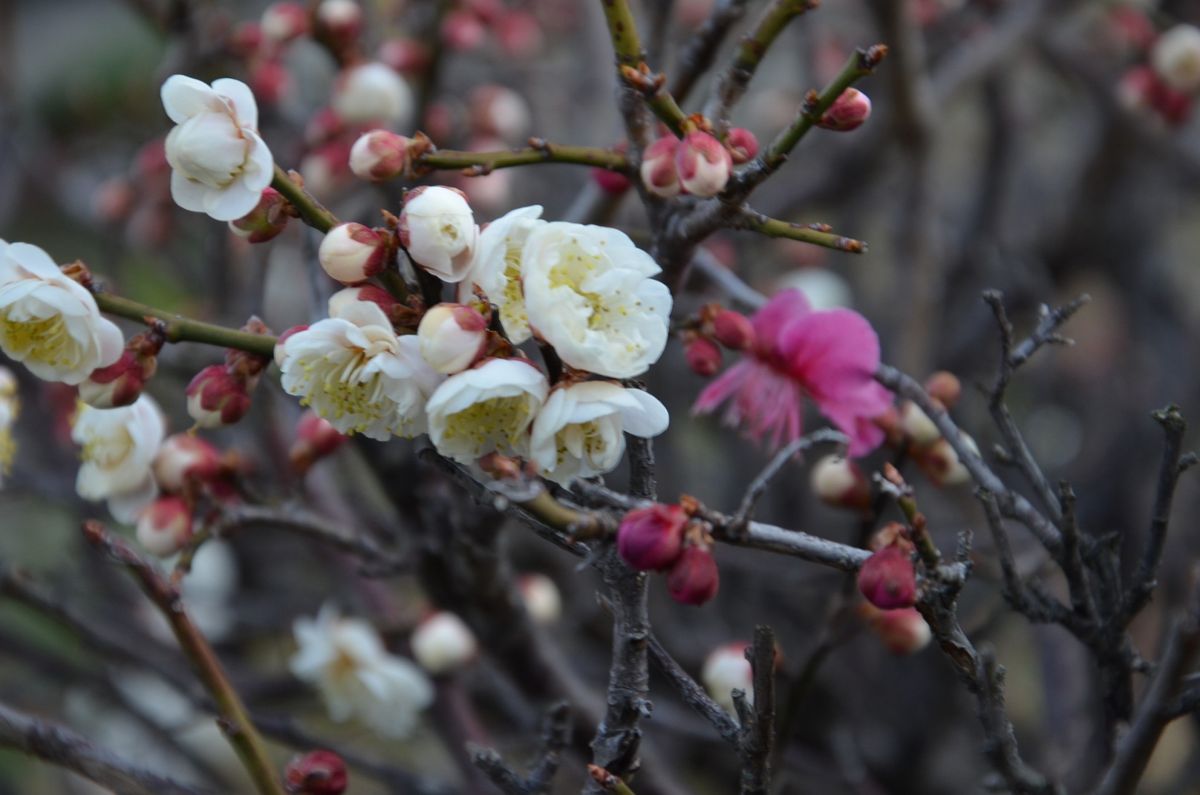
(438, 230)
(316, 773)
(270, 81)
(499, 112)
(184, 458)
(1141, 90)
(164, 526)
(217, 397)
(917, 425)
(892, 534)
(462, 30)
(372, 92)
(542, 600)
(519, 34)
(268, 218)
(703, 164)
(651, 538)
(902, 631)
(847, 112)
(693, 579)
(315, 439)
(742, 145)
(703, 355)
(339, 21)
(944, 387)
(339, 301)
(614, 183)
(284, 22)
(379, 155)
(733, 330)
(406, 56)
(121, 383)
(726, 669)
(352, 253)
(941, 463)
(1176, 58)
(839, 482)
(245, 39)
(887, 579)
(452, 336)
(658, 171)
(443, 643)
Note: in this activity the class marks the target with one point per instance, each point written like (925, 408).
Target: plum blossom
(827, 356)
(488, 408)
(119, 447)
(438, 230)
(589, 293)
(219, 164)
(49, 322)
(372, 92)
(357, 676)
(497, 268)
(354, 371)
(580, 432)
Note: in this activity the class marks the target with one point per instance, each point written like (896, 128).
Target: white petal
(230, 203)
(189, 194)
(184, 97)
(242, 98)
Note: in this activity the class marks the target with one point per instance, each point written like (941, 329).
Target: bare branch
(762, 480)
(701, 48)
(758, 732)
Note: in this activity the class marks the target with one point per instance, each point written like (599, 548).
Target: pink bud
(651, 538)
(742, 145)
(164, 526)
(944, 387)
(703, 356)
(284, 22)
(265, 221)
(887, 579)
(217, 397)
(658, 167)
(847, 112)
(245, 39)
(407, 56)
(270, 81)
(316, 773)
(693, 579)
(362, 292)
(462, 30)
(452, 337)
(352, 253)
(614, 183)
(340, 21)
(519, 34)
(183, 459)
(315, 439)
(902, 631)
(121, 383)
(941, 463)
(839, 482)
(379, 155)
(733, 330)
(703, 164)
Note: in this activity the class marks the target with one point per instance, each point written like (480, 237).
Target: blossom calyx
(651, 538)
(121, 383)
(703, 164)
(217, 397)
(453, 337)
(888, 580)
(316, 773)
(268, 218)
(351, 253)
(702, 354)
(165, 525)
(185, 459)
(742, 145)
(693, 578)
(316, 438)
(848, 111)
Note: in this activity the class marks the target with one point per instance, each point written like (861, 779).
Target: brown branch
(758, 725)
(701, 48)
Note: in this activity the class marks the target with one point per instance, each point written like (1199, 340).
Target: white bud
(372, 92)
(541, 597)
(352, 253)
(438, 229)
(726, 669)
(452, 337)
(379, 155)
(443, 643)
(165, 526)
(183, 458)
(1176, 58)
(917, 426)
(839, 482)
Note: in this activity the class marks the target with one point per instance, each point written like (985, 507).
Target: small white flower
(373, 92)
(355, 373)
(589, 294)
(219, 164)
(497, 268)
(119, 446)
(726, 669)
(356, 676)
(438, 230)
(486, 409)
(48, 321)
(443, 643)
(580, 432)
(1176, 58)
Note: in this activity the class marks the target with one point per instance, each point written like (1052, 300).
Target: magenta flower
(827, 356)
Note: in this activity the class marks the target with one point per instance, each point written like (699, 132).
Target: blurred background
(1022, 145)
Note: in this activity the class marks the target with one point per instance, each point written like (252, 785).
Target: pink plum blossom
(826, 356)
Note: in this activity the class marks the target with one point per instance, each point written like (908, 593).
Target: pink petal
(777, 313)
(719, 391)
(834, 355)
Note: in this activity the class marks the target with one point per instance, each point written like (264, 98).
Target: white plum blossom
(119, 446)
(580, 431)
(497, 268)
(452, 337)
(438, 230)
(48, 321)
(443, 643)
(486, 409)
(356, 676)
(219, 164)
(589, 293)
(357, 374)
(372, 92)
(9, 408)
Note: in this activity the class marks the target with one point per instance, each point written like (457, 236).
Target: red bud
(693, 580)
(887, 579)
(733, 330)
(650, 538)
(703, 355)
(316, 773)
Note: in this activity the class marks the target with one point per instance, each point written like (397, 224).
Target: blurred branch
(758, 724)
(701, 49)
(556, 735)
(763, 479)
(478, 164)
(705, 263)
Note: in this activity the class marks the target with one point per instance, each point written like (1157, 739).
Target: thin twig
(762, 480)
(701, 48)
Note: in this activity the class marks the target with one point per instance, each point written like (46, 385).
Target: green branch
(540, 151)
(182, 329)
(622, 29)
(817, 234)
(311, 211)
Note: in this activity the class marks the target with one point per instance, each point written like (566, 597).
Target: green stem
(182, 329)
(480, 163)
(622, 29)
(312, 212)
(775, 228)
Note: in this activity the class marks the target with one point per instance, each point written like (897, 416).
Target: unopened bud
(452, 337)
(519, 34)
(651, 538)
(887, 579)
(268, 218)
(839, 482)
(462, 30)
(847, 112)
(407, 56)
(340, 301)
(379, 155)
(892, 534)
(693, 578)
(1176, 58)
(316, 773)
(944, 387)
(437, 228)
(902, 631)
(542, 599)
(726, 669)
(614, 183)
(917, 425)
(164, 526)
(703, 355)
(443, 643)
(703, 164)
(245, 39)
(217, 397)
(733, 330)
(315, 439)
(352, 253)
(941, 463)
(284, 22)
(742, 145)
(270, 81)
(500, 112)
(658, 171)
(184, 458)
(121, 383)
(340, 21)
(372, 92)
